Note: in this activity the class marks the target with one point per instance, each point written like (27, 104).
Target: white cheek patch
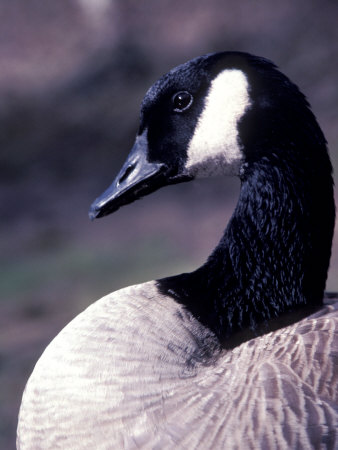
(214, 148)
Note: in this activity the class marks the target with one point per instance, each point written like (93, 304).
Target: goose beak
(138, 177)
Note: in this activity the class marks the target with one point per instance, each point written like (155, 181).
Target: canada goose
(240, 353)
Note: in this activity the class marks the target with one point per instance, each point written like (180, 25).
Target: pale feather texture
(214, 148)
(135, 370)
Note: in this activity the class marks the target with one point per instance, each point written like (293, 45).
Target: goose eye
(182, 101)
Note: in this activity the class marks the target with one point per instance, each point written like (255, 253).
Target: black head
(216, 114)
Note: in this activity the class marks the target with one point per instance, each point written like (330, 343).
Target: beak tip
(93, 212)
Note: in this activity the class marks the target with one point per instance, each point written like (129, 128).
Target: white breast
(136, 370)
(103, 380)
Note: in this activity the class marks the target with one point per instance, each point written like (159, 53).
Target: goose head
(214, 115)
(188, 128)
(232, 113)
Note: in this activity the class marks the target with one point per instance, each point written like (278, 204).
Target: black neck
(274, 255)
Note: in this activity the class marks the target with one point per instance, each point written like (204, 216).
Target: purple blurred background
(72, 76)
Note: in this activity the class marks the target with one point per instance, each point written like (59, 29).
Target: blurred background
(72, 76)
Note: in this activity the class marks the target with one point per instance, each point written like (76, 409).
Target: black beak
(138, 177)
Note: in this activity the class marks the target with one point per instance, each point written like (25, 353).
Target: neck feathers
(274, 255)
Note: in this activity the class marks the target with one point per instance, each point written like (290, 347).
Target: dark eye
(182, 101)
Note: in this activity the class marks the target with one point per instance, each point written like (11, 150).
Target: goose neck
(273, 258)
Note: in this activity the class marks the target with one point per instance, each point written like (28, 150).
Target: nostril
(126, 174)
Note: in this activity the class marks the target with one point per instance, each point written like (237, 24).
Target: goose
(242, 352)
